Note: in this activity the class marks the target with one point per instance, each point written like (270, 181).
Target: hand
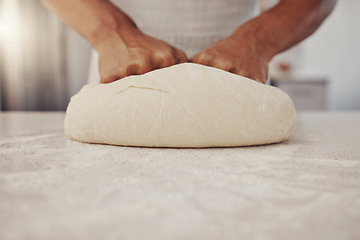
(241, 54)
(132, 52)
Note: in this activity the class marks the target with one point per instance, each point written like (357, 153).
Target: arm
(123, 49)
(251, 47)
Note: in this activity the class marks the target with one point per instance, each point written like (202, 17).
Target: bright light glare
(10, 26)
(9, 31)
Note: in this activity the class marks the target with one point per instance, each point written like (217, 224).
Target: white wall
(334, 51)
(78, 52)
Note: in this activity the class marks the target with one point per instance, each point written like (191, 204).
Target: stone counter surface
(305, 188)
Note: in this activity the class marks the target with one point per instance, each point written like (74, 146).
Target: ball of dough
(185, 105)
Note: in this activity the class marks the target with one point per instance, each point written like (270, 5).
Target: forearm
(93, 19)
(286, 24)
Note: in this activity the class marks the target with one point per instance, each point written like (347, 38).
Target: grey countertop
(55, 188)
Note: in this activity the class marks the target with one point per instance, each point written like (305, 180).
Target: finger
(266, 76)
(194, 59)
(252, 76)
(132, 69)
(180, 56)
(144, 68)
(108, 78)
(222, 64)
(242, 72)
(163, 63)
(202, 58)
(259, 75)
(163, 59)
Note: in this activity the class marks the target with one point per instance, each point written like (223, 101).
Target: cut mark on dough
(129, 87)
(159, 112)
(193, 118)
(188, 113)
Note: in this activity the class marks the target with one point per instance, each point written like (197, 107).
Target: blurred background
(43, 62)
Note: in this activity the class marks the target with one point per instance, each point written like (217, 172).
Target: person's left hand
(241, 54)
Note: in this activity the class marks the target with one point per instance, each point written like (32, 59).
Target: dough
(186, 105)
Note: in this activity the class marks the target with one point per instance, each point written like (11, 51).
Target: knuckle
(224, 64)
(204, 57)
(165, 58)
(169, 55)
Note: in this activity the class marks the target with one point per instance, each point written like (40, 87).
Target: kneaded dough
(185, 105)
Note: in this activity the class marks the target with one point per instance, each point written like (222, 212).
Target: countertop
(305, 188)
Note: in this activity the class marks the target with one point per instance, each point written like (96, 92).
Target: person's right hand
(132, 52)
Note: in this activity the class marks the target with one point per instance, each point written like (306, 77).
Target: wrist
(111, 26)
(255, 33)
